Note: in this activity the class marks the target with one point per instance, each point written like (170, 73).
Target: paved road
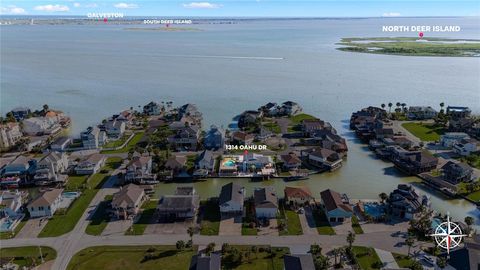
(387, 259)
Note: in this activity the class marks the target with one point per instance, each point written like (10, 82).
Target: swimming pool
(374, 210)
(229, 163)
(70, 195)
(435, 223)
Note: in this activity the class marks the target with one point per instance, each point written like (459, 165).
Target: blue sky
(246, 8)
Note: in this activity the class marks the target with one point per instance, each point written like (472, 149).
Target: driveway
(385, 227)
(32, 228)
(342, 228)
(307, 222)
(117, 227)
(387, 259)
(231, 225)
(178, 227)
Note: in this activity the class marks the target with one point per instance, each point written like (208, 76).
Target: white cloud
(52, 8)
(391, 14)
(125, 5)
(78, 5)
(13, 10)
(201, 5)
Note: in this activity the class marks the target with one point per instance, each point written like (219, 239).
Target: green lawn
(403, 261)
(356, 226)
(130, 145)
(100, 218)
(260, 260)
(75, 182)
(366, 257)
(272, 126)
(473, 160)
(475, 196)
(425, 132)
(131, 257)
(117, 143)
(64, 222)
(297, 119)
(28, 256)
(293, 226)
(210, 224)
(247, 230)
(323, 227)
(148, 209)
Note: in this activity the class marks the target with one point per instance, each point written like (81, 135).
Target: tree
(45, 107)
(350, 239)
(383, 105)
(383, 196)
(315, 250)
(390, 107)
(180, 245)
(336, 252)
(321, 262)
(441, 262)
(442, 104)
(225, 248)
(190, 232)
(409, 242)
(210, 248)
(416, 265)
(254, 250)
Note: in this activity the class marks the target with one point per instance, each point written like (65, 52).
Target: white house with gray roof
(266, 202)
(45, 204)
(231, 198)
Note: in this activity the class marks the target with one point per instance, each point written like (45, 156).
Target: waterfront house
(152, 108)
(258, 164)
(126, 116)
(139, 170)
(421, 113)
(269, 109)
(382, 133)
(40, 125)
(404, 202)
(51, 166)
(291, 161)
(415, 162)
(127, 202)
(450, 138)
(248, 118)
(466, 257)
(461, 124)
(457, 112)
(266, 202)
(46, 203)
(231, 199)
(185, 138)
(402, 142)
(309, 126)
(242, 138)
(214, 139)
(206, 160)
(191, 111)
(336, 207)
(11, 203)
(457, 172)
(114, 128)
(290, 108)
(465, 147)
(10, 135)
(21, 166)
(202, 261)
(21, 113)
(61, 144)
(324, 158)
(298, 262)
(300, 195)
(93, 137)
(176, 163)
(173, 207)
(328, 139)
(229, 165)
(90, 165)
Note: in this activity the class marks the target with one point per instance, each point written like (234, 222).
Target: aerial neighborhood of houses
(126, 165)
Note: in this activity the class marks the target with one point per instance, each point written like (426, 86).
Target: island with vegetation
(164, 29)
(412, 46)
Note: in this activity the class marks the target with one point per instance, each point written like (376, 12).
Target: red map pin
(420, 34)
(105, 20)
(245, 152)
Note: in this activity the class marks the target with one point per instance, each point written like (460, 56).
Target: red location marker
(105, 20)
(245, 152)
(167, 25)
(420, 34)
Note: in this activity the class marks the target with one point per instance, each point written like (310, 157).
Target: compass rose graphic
(448, 235)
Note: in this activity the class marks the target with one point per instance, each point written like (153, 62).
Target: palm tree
(336, 252)
(398, 104)
(190, 232)
(409, 242)
(469, 221)
(390, 107)
(442, 104)
(350, 239)
(441, 262)
(383, 105)
(404, 105)
(383, 196)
